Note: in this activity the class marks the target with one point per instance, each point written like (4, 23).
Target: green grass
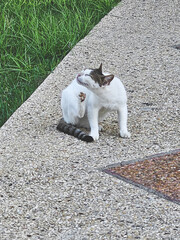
(35, 35)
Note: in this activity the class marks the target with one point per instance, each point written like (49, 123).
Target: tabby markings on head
(99, 77)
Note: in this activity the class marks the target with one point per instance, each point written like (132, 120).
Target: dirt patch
(159, 174)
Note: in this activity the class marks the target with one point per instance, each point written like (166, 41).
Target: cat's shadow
(110, 128)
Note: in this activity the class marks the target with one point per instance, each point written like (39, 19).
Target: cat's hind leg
(69, 105)
(73, 106)
(76, 108)
(81, 104)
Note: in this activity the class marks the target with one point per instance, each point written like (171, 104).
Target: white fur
(98, 102)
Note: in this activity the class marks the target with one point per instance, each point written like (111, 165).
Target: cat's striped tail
(72, 130)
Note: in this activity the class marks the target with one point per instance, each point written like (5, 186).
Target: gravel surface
(51, 187)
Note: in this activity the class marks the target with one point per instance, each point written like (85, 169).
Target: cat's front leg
(122, 117)
(93, 122)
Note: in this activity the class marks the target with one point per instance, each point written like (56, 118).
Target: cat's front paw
(82, 96)
(125, 134)
(95, 136)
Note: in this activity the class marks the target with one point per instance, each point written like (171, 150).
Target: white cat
(88, 99)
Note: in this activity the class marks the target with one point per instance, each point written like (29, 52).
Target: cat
(88, 99)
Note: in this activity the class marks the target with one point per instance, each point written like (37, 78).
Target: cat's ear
(100, 68)
(107, 79)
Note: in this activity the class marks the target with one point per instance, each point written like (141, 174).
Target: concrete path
(51, 187)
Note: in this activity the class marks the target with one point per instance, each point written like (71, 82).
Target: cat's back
(116, 91)
(117, 86)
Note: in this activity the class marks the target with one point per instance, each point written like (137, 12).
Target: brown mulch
(161, 174)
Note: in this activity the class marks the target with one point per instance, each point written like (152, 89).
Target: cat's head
(94, 78)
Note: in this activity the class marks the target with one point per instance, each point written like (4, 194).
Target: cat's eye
(87, 75)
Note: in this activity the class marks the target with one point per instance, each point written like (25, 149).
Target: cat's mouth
(81, 83)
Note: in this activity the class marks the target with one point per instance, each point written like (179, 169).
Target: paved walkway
(51, 187)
